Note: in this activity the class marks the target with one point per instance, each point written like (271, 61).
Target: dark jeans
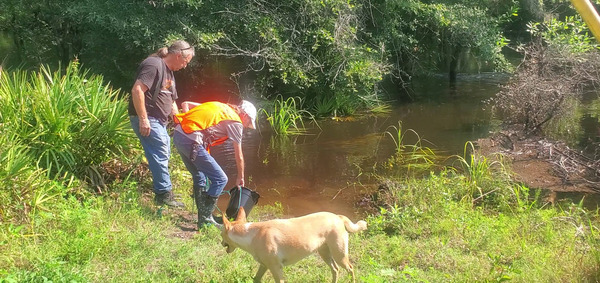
(200, 164)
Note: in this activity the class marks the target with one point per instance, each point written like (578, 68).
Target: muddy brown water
(327, 170)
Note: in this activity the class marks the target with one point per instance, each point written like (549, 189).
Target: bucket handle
(228, 193)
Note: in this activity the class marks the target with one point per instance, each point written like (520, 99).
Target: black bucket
(241, 197)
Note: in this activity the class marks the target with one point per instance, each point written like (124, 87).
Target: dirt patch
(185, 220)
(540, 163)
(187, 223)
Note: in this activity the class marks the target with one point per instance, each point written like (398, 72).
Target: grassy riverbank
(433, 233)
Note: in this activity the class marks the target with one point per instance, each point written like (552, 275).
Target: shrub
(25, 187)
(69, 122)
(557, 68)
(59, 128)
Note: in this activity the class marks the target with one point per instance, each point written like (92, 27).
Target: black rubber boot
(197, 192)
(167, 199)
(206, 204)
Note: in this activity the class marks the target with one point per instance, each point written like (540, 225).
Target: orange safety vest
(207, 115)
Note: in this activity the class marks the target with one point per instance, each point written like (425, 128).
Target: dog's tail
(353, 227)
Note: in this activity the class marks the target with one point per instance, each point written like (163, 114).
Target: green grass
(429, 236)
(409, 160)
(427, 231)
(442, 237)
(112, 241)
(286, 116)
(486, 177)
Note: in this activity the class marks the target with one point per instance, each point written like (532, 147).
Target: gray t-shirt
(231, 129)
(149, 72)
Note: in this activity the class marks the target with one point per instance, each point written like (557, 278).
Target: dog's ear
(241, 216)
(226, 223)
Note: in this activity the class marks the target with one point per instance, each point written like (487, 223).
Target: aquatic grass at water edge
(410, 159)
(286, 116)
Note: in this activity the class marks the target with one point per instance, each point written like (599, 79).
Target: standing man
(151, 106)
(206, 125)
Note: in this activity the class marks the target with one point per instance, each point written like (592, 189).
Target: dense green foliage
(58, 130)
(570, 33)
(333, 54)
(423, 37)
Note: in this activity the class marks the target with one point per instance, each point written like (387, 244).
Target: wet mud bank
(540, 163)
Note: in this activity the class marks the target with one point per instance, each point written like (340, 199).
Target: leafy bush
(302, 48)
(26, 189)
(571, 34)
(69, 123)
(422, 37)
(58, 129)
(333, 54)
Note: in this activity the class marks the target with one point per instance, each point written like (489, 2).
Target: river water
(328, 169)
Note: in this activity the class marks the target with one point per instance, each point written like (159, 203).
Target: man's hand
(240, 181)
(144, 126)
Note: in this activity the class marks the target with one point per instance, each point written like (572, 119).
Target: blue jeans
(201, 165)
(157, 148)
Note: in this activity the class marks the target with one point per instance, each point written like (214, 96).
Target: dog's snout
(228, 248)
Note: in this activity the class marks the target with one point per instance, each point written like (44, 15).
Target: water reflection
(328, 169)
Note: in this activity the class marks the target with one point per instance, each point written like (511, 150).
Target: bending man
(206, 125)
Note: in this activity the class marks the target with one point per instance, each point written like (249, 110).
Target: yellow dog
(280, 242)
